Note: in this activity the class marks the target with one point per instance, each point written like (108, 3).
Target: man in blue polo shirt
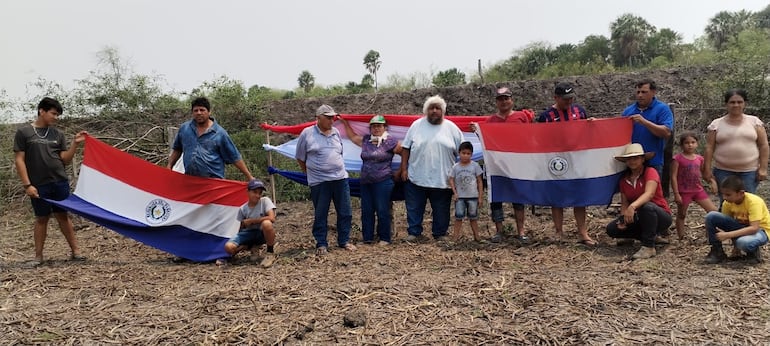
(206, 146)
(653, 122)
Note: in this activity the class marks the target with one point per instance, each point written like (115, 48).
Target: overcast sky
(270, 42)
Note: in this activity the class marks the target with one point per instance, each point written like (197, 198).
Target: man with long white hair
(429, 151)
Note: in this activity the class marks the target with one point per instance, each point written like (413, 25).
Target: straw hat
(632, 150)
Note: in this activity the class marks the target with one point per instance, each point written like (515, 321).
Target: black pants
(651, 221)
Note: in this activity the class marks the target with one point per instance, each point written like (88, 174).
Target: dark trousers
(651, 221)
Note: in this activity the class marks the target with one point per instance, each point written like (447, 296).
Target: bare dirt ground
(548, 292)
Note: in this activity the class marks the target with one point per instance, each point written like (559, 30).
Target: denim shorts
(467, 207)
(249, 237)
(56, 191)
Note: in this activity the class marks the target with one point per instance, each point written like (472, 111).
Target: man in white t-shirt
(429, 152)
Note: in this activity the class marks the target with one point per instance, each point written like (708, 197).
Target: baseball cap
(564, 90)
(504, 91)
(325, 110)
(255, 184)
(377, 119)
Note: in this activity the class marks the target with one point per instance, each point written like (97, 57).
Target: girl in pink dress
(687, 169)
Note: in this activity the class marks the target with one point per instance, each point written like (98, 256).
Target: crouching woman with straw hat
(645, 215)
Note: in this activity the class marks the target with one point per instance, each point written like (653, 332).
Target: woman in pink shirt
(737, 144)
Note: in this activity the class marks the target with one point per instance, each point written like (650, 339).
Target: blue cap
(256, 184)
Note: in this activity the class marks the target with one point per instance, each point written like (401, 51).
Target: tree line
(739, 41)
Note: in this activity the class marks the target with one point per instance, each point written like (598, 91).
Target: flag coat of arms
(568, 164)
(188, 216)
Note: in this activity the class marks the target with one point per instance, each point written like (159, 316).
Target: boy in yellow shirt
(744, 219)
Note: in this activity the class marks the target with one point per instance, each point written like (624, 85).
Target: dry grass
(547, 293)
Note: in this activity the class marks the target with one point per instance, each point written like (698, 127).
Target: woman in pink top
(737, 143)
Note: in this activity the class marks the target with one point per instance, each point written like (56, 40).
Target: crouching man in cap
(256, 217)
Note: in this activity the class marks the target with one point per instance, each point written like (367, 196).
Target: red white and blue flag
(351, 153)
(556, 164)
(188, 216)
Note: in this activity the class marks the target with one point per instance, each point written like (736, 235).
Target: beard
(435, 120)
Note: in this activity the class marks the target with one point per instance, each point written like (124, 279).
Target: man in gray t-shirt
(41, 152)
(319, 154)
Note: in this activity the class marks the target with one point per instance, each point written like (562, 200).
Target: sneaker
(716, 255)
(756, 255)
(349, 247)
(268, 261)
(497, 238)
(522, 239)
(644, 252)
(221, 262)
(77, 258)
(383, 243)
(412, 238)
(625, 242)
(321, 251)
(661, 240)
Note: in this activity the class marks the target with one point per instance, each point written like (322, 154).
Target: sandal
(587, 242)
(78, 258)
(177, 260)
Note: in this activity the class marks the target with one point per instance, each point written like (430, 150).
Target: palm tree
(372, 62)
(629, 35)
(726, 26)
(306, 81)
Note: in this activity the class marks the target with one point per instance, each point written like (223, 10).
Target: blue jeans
(749, 181)
(416, 199)
(249, 237)
(650, 221)
(467, 207)
(337, 191)
(747, 243)
(498, 215)
(375, 199)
